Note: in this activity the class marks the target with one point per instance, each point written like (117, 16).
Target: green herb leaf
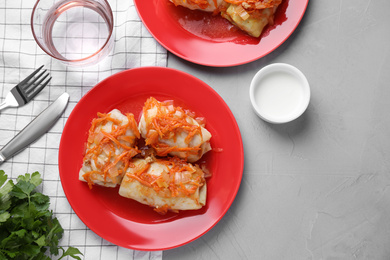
(4, 217)
(34, 179)
(72, 252)
(5, 190)
(3, 177)
(40, 201)
(27, 226)
(22, 189)
(41, 241)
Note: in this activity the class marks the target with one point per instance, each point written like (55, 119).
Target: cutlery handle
(36, 128)
(3, 105)
(9, 101)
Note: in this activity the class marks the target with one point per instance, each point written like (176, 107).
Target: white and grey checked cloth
(19, 56)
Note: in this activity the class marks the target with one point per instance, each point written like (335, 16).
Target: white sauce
(279, 94)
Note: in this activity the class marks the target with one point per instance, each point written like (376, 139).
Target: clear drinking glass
(77, 32)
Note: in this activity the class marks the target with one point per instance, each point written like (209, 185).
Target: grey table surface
(318, 187)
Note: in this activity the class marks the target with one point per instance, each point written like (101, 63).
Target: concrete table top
(317, 187)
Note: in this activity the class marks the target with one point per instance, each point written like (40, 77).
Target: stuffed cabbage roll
(110, 147)
(174, 131)
(204, 5)
(165, 184)
(251, 16)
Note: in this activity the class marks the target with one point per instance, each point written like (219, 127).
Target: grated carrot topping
(133, 125)
(168, 123)
(143, 182)
(115, 140)
(170, 187)
(101, 142)
(201, 3)
(162, 210)
(110, 165)
(259, 4)
(87, 177)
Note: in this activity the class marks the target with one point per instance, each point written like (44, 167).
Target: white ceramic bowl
(279, 93)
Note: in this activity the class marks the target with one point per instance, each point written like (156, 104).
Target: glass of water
(76, 32)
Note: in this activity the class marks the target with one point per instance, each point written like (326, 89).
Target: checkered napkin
(19, 56)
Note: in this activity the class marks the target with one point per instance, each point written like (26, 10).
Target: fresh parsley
(27, 226)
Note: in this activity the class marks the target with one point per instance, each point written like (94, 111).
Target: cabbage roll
(165, 184)
(174, 131)
(251, 16)
(110, 147)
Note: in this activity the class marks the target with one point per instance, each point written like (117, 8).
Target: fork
(26, 90)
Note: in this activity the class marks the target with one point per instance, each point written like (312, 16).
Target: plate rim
(226, 64)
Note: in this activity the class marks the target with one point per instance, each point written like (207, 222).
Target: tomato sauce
(206, 25)
(214, 27)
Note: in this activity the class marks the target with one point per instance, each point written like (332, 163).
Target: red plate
(189, 35)
(125, 222)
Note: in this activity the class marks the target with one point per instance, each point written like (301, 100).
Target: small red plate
(125, 222)
(205, 39)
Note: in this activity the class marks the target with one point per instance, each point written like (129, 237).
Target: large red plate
(125, 222)
(210, 40)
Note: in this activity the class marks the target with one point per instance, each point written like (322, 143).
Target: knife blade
(35, 129)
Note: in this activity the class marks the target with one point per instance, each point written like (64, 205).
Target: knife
(36, 128)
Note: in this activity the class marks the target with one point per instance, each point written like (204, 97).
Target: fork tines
(32, 85)
(26, 90)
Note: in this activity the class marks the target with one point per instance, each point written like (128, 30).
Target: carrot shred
(162, 210)
(87, 177)
(142, 181)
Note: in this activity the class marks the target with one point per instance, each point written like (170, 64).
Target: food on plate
(171, 130)
(151, 162)
(165, 184)
(204, 5)
(111, 145)
(251, 16)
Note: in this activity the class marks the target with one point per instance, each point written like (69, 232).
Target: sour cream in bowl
(279, 93)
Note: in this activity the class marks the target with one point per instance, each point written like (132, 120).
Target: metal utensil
(36, 128)
(26, 90)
